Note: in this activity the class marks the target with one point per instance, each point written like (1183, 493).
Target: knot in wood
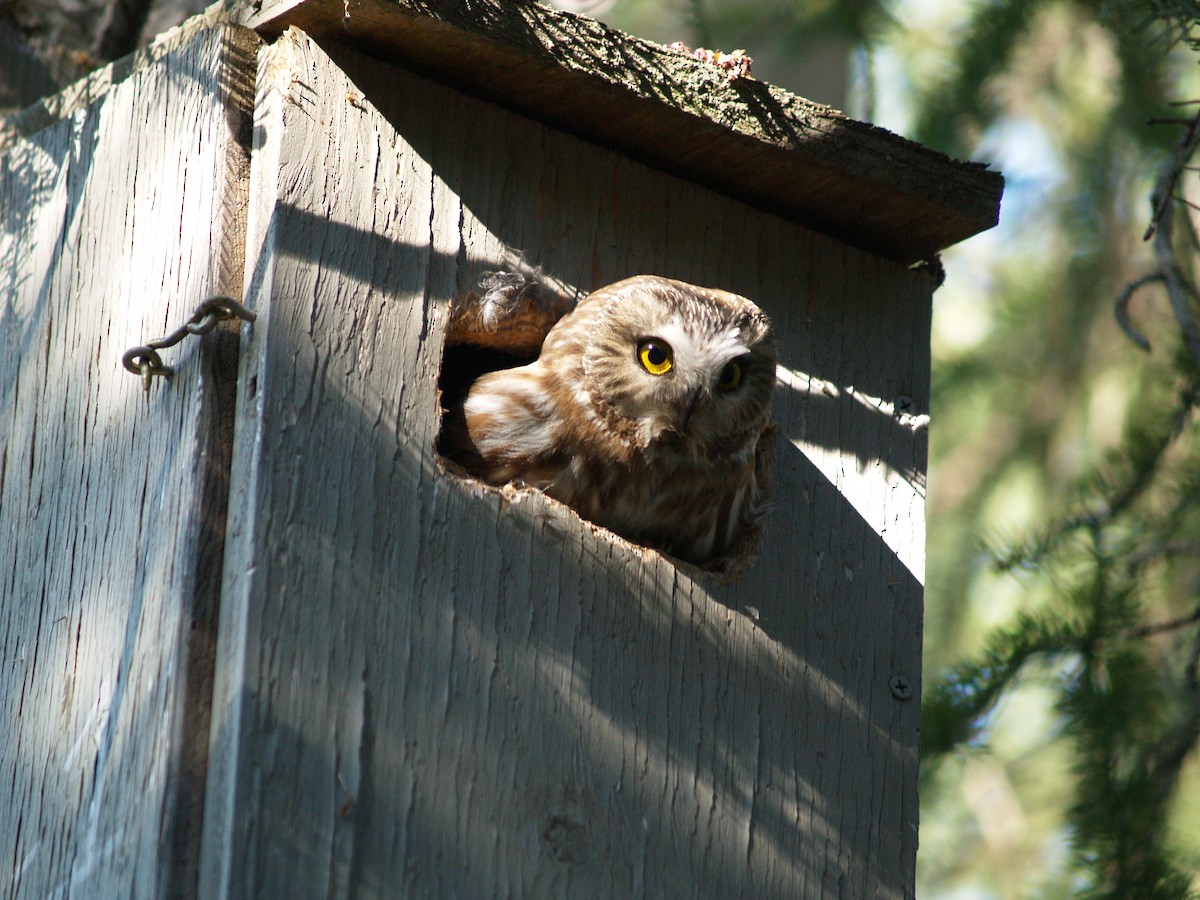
(566, 840)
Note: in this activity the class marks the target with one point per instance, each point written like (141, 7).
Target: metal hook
(144, 359)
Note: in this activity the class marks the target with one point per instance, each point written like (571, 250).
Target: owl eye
(730, 377)
(655, 356)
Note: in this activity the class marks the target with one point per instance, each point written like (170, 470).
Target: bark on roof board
(746, 138)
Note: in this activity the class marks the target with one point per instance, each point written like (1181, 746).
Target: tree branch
(1179, 290)
(1171, 548)
(1121, 308)
(1152, 628)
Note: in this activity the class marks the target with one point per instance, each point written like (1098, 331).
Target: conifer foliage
(1116, 570)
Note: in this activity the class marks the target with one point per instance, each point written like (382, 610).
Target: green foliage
(960, 99)
(954, 709)
(1128, 697)
(1107, 608)
(955, 109)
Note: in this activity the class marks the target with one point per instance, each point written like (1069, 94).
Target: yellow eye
(730, 377)
(655, 356)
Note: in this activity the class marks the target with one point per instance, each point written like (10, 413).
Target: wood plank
(111, 501)
(429, 688)
(746, 138)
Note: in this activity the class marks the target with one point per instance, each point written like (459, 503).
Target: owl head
(690, 367)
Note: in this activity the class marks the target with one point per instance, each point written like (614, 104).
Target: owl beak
(693, 402)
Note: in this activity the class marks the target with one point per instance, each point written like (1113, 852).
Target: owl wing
(508, 312)
(506, 425)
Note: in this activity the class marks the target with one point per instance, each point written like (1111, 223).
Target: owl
(647, 411)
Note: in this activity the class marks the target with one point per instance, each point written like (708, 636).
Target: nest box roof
(746, 138)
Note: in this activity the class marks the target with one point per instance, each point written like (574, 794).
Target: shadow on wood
(423, 686)
(429, 687)
(111, 502)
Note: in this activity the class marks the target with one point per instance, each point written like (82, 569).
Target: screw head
(900, 687)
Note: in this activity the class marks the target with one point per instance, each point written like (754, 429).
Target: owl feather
(647, 411)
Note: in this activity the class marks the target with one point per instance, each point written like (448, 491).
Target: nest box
(260, 641)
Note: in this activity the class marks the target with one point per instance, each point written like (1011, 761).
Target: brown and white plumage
(644, 412)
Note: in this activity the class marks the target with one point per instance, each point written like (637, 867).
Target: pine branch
(1147, 452)
(1131, 739)
(1153, 628)
(955, 704)
(1163, 550)
(1091, 520)
(1166, 756)
(1189, 670)
(1115, 654)
(987, 47)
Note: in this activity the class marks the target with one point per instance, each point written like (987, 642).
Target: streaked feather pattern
(673, 460)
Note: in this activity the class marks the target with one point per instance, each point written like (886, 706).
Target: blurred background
(1063, 585)
(1061, 704)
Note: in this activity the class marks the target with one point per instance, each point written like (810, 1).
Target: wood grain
(111, 501)
(746, 138)
(429, 688)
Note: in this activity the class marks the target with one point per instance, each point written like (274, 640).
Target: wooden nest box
(259, 641)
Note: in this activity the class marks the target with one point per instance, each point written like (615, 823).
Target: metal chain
(145, 361)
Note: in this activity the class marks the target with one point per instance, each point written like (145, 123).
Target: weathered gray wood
(428, 688)
(754, 141)
(111, 502)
